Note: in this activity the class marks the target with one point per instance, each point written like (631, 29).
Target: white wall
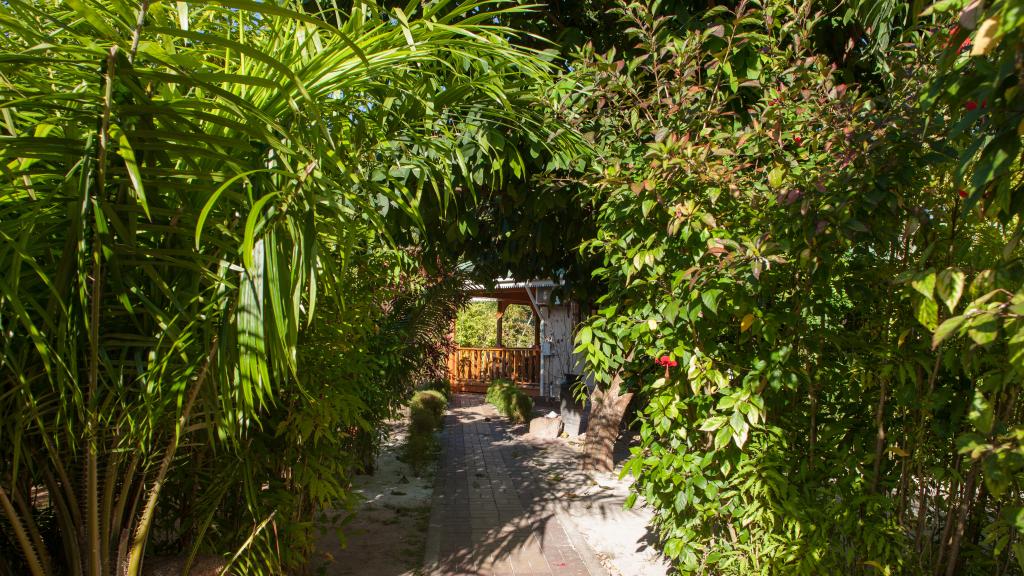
(556, 336)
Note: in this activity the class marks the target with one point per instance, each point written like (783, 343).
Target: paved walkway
(493, 513)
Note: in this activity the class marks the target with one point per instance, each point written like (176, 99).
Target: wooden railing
(472, 369)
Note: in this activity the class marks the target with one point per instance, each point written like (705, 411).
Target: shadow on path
(499, 500)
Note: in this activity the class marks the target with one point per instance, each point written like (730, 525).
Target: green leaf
(927, 312)
(740, 428)
(722, 437)
(943, 6)
(924, 283)
(981, 414)
(946, 329)
(92, 17)
(646, 206)
(983, 328)
(713, 423)
(124, 150)
(710, 299)
(1015, 343)
(950, 287)
(250, 228)
(680, 501)
(671, 311)
(630, 500)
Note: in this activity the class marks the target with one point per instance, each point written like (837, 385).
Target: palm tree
(173, 174)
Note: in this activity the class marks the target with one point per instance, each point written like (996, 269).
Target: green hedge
(426, 415)
(426, 411)
(442, 385)
(510, 400)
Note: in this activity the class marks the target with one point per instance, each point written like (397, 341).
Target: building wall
(557, 332)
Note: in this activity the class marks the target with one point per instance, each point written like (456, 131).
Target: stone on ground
(545, 427)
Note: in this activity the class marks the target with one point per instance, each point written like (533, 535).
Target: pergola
(472, 369)
(506, 296)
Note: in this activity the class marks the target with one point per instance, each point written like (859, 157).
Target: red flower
(966, 44)
(666, 362)
(798, 140)
(962, 193)
(971, 105)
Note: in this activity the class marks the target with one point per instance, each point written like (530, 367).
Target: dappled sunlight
(504, 499)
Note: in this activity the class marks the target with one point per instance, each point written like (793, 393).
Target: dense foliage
(230, 233)
(789, 246)
(476, 326)
(204, 314)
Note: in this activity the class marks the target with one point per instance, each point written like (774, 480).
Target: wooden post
(502, 305)
(536, 329)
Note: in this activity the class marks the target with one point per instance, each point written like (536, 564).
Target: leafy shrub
(510, 401)
(426, 415)
(421, 421)
(520, 407)
(420, 450)
(426, 411)
(442, 385)
(793, 241)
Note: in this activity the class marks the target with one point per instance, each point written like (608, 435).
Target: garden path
(495, 512)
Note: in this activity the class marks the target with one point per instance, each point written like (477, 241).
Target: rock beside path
(544, 427)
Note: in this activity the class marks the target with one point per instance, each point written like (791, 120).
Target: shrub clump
(426, 411)
(442, 385)
(510, 401)
(426, 415)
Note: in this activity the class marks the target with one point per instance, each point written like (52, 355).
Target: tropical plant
(184, 184)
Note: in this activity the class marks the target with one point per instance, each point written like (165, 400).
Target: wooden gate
(472, 369)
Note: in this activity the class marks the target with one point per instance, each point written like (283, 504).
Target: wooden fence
(472, 369)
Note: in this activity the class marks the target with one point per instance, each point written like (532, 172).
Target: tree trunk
(961, 522)
(606, 411)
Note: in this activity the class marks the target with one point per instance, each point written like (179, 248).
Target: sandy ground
(620, 538)
(593, 504)
(387, 533)
(385, 536)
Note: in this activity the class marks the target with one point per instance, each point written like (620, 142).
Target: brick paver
(493, 514)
